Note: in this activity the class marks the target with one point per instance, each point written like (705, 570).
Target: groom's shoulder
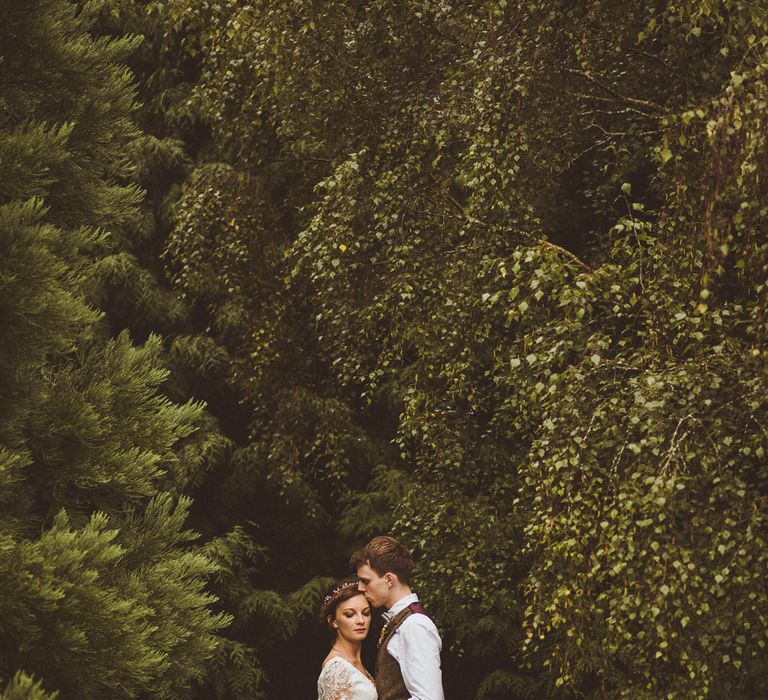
(419, 619)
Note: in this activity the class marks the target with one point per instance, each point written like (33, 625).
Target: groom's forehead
(365, 571)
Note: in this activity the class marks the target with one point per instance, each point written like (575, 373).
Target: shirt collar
(400, 605)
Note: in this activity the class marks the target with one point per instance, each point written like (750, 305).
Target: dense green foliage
(238, 511)
(487, 275)
(102, 594)
(519, 244)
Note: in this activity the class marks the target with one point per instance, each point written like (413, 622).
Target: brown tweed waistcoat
(389, 680)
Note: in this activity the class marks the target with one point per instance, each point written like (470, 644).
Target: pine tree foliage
(103, 594)
(23, 687)
(505, 684)
(216, 465)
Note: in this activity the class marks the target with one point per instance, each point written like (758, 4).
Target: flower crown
(338, 590)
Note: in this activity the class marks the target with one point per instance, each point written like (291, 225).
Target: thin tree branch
(613, 91)
(541, 241)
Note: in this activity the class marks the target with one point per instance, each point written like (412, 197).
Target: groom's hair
(385, 555)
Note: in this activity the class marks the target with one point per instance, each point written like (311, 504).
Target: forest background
(488, 276)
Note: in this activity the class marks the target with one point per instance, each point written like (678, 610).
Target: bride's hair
(342, 590)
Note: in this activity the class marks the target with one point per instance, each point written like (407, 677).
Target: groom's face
(376, 588)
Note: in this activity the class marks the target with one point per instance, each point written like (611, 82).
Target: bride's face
(353, 618)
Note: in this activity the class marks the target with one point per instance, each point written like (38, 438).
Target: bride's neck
(347, 648)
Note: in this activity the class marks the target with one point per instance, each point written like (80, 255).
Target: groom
(408, 659)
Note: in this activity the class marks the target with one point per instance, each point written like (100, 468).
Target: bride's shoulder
(339, 680)
(331, 658)
(335, 674)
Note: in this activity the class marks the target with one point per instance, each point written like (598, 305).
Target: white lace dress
(340, 680)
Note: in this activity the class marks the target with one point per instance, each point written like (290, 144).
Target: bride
(346, 611)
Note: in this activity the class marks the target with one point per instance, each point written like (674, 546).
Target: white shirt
(416, 645)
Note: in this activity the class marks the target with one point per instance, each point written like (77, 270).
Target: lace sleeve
(335, 682)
